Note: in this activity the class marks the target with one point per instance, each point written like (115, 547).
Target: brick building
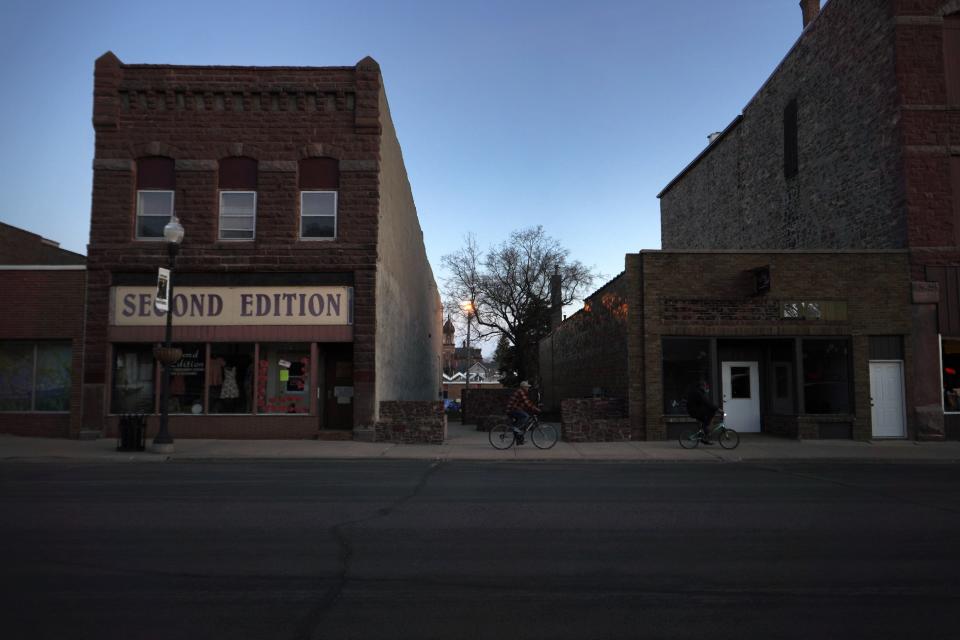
(790, 343)
(41, 335)
(303, 294)
(852, 143)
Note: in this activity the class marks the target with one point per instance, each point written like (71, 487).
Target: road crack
(309, 627)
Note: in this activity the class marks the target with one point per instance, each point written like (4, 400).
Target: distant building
(42, 291)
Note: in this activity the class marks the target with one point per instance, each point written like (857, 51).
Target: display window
(231, 378)
(686, 361)
(950, 374)
(35, 376)
(187, 376)
(283, 378)
(826, 376)
(133, 379)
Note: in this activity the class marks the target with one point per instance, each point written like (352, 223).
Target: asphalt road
(414, 549)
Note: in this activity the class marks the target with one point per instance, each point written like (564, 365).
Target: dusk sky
(572, 115)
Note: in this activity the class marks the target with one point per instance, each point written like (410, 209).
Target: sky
(568, 114)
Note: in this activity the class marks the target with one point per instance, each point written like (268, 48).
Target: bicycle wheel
(502, 436)
(690, 439)
(544, 436)
(729, 439)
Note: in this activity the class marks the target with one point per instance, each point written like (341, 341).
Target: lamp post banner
(232, 306)
(161, 299)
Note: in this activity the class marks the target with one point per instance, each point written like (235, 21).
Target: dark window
(826, 376)
(791, 160)
(35, 376)
(238, 174)
(319, 174)
(686, 361)
(740, 382)
(156, 172)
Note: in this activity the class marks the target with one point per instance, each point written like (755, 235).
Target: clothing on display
(229, 390)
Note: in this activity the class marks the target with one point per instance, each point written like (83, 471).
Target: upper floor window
(238, 198)
(155, 185)
(319, 186)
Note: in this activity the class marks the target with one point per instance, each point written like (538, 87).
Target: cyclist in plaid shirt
(520, 407)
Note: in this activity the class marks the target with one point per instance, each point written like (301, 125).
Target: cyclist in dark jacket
(701, 408)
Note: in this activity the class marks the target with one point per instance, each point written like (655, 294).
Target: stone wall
(848, 192)
(481, 403)
(411, 422)
(587, 354)
(595, 420)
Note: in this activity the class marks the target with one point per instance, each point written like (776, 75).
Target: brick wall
(277, 116)
(40, 306)
(595, 420)
(412, 422)
(587, 353)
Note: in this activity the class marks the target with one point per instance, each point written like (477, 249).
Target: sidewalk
(464, 443)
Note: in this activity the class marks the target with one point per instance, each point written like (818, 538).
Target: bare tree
(508, 287)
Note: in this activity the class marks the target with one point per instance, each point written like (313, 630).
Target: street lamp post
(168, 356)
(470, 309)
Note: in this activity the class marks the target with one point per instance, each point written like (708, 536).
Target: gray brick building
(852, 143)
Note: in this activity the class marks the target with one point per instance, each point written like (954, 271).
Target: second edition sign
(234, 306)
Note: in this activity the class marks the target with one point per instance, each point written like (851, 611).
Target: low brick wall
(481, 403)
(594, 420)
(412, 422)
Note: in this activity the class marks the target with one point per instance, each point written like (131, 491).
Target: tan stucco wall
(409, 313)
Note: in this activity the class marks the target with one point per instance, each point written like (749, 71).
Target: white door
(741, 395)
(886, 399)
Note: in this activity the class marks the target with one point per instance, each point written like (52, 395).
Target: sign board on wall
(234, 306)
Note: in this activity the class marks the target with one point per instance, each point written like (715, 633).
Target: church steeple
(448, 331)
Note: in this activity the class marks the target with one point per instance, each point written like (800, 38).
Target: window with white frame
(154, 209)
(318, 215)
(155, 186)
(238, 215)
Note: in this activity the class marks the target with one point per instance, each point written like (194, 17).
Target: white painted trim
(43, 267)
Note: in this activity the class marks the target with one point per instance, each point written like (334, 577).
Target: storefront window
(283, 378)
(686, 361)
(826, 378)
(52, 381)
(231, 378)
(186, 380)
(35, 376)
(133, 385)
(951, 374)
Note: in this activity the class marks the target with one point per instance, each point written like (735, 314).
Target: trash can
(131, 436)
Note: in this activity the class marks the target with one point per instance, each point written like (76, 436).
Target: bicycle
(543, 436)
(728, 438)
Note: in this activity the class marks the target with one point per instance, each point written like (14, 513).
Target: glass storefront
(230, 381)
(950, 374)
(686, 361)
(35, 376)
(826, 376)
